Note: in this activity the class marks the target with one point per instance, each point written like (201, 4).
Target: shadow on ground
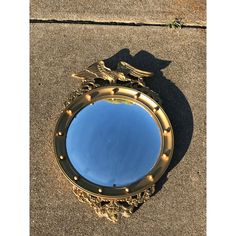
(173, 101)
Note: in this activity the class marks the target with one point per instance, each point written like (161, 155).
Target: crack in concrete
(87, 22)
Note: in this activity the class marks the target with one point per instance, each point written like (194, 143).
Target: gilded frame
(124, 83)
(154, 109)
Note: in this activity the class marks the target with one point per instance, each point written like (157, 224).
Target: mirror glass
(113, 142)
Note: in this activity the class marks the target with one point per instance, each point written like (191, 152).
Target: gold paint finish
(69, 112)
(114, 91)
(113, 195)
(166, 131)
(108, 201)
(150, 178)
(165, 157)
(137, 95)
(126, 190)
(156, 109)
(59, 133)
(88, 97)
(124, 73)
(113, 210)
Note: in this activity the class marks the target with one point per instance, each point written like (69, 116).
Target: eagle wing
(94, 71)
(128, 69)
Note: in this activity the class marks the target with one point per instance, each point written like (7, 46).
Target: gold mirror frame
(113, 202)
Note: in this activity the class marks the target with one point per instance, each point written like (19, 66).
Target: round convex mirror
(113, 143)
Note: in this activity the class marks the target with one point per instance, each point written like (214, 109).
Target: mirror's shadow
(174, 102)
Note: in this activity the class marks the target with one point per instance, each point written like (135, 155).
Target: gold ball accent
(59, 133)
(167, 130)
(75, 178)
(115, 90)
(137, 95)
(69, 112)
(126, 190)
(165, 157)
(150, 178)
(156, 109)
(99, 190)
(88, 97)
(61, 157)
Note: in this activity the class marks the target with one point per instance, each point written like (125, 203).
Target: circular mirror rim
(112, 92)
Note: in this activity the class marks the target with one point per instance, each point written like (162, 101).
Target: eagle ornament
(124, 72)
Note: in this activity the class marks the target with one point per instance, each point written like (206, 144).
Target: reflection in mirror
(113, 142)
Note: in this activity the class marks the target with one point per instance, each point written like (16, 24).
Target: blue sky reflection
(113, 144)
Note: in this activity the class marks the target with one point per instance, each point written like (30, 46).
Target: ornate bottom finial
(113, 210)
